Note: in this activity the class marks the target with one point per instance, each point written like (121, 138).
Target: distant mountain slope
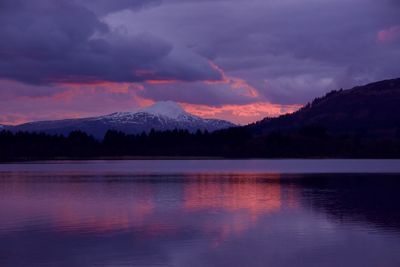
(370, 110)
(161, 116)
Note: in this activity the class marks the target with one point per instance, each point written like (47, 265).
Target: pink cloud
(389, 35)
(233, 82)
(69, 101)
(241, 114)
(21, 103)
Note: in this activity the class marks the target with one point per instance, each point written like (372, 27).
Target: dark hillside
(370, 110)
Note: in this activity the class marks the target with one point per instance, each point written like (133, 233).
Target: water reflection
(199, 220)
(73, 206)
(371, 198)
(240, 193)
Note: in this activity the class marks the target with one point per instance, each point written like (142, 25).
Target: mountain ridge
(141, 120)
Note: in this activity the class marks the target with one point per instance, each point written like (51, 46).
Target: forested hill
(370, 110)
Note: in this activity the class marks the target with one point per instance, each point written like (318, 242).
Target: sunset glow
(118, 57)
(241, 114)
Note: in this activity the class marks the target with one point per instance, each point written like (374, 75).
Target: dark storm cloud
(65, 41)
(291, 51)
(197, 93)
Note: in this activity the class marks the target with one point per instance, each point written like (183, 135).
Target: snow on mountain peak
(165, 108)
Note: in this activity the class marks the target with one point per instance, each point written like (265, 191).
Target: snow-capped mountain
(169, 109)
(161, 116)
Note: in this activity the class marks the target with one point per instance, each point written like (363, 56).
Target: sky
(239, 60)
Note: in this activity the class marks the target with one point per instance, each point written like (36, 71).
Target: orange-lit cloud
(238, 113)
(226, 90)
(235, 83)
(161, 81)
(241, 114)
(73, 101)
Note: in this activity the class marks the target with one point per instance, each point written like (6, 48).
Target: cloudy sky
(234, 59)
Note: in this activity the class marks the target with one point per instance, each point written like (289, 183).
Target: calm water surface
(200, 213)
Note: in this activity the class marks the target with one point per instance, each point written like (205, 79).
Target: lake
(200, 213)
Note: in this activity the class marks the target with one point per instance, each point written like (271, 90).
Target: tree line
(306, 142)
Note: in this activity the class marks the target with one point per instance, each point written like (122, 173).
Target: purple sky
(234, 59)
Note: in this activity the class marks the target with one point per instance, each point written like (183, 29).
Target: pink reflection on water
(74, 207)
(244, 194)
(220, 207)
(245, 200)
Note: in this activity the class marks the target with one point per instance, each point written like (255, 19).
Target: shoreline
(170, 158)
